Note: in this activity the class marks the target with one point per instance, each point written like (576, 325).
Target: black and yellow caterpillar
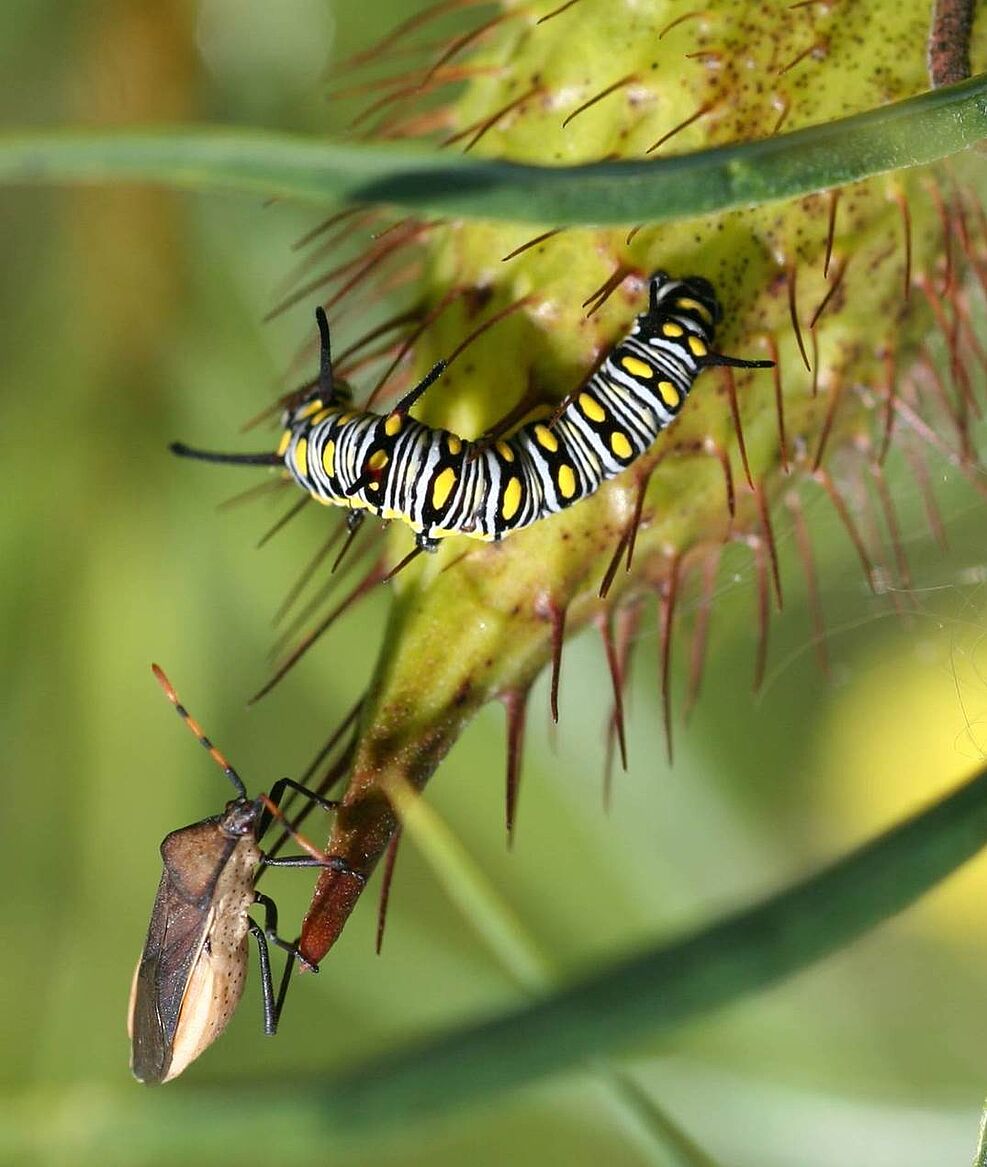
(440, 484)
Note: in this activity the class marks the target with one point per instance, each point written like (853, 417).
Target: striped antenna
(196, 729)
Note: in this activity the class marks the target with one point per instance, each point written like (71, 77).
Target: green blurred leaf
(648, 995)
(482, 906)
(918, 130)
(654, 993)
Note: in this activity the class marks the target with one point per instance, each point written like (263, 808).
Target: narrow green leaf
(654, 993)
(662, 1142)
(912, 132)
(671, 1142)
(472, 893)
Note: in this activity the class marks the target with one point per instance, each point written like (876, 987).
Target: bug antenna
(325, 355)
(718, 360)
(183, 713)
(184, 451)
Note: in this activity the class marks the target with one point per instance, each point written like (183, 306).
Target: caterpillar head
(664, 289)
(702, 290)
(664, 292)
(341, 394)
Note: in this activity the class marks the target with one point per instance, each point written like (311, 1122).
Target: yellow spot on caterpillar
(377, 461)
(637, 368)
(301, 457)
(505, 451)
(320, 417)
(442, 487)
(329, 458)
(453, 443)
(669, 394)
(307, 410)
(620, 445)
(546, 439)
(698, 346)
(567, 481)
(670, 328)
(591, 407)
(346, 418)
(284, 443)
(392, 427)
(689, 305)
(512, 499)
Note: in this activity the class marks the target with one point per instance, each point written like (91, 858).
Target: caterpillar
(396, 467)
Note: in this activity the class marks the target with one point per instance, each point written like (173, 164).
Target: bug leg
(313, 857)
(266, 984)
(425, 542)
(333, 862)
(289, 968)
(270, 931)
(277, 793)
(294, 861)
(270, 919)
(279, 787)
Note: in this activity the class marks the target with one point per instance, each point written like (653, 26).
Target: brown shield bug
(192, 970)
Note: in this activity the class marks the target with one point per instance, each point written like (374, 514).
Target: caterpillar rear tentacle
(439, 484)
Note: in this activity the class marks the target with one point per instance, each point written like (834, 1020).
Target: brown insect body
(193, 967)
(191, 973)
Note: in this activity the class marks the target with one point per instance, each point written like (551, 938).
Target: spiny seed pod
(840, 289)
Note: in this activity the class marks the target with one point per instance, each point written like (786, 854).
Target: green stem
(912, 132)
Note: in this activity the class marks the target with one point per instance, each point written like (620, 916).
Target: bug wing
(217, 978)
(194, 857)
(173, 946)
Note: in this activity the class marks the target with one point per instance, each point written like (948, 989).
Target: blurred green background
(131, 317)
